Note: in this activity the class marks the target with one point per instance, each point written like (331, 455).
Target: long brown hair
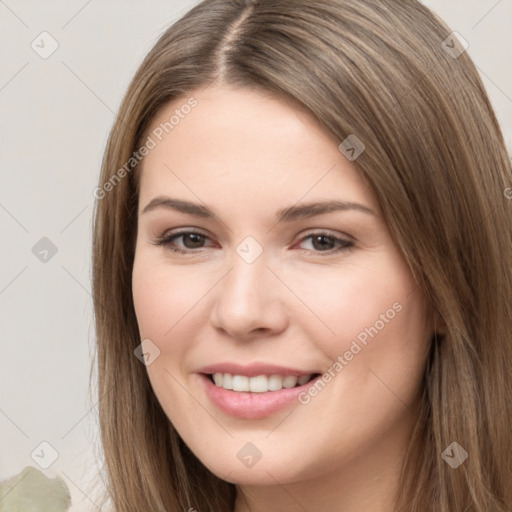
(391, 73)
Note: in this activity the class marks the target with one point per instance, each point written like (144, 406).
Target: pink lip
(253, 370)
(251, 406)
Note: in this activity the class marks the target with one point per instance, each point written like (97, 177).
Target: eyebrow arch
(288, 214)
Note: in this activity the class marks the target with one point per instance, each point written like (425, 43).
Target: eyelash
(166, 240)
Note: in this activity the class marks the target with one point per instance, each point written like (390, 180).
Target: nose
(249, 301)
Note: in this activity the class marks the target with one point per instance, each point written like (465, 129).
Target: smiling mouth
(260, 383)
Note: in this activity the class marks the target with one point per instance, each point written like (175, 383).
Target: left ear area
(439, 326)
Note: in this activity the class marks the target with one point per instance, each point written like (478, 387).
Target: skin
(247, 154)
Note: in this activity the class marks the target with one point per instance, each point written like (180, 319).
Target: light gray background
(55, 117)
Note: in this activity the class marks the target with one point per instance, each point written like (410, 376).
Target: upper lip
(253, 369)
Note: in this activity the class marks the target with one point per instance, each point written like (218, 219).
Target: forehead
(249, 146)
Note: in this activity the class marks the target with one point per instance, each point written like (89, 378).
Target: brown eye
(326, 243)
(323, 243)
(190, 240)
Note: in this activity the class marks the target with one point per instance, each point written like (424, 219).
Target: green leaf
(32, 491)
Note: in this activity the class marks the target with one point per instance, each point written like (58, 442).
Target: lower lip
(251, 406)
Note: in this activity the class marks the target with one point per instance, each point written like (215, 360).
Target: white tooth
(240, 383)
(289, 381)
(303, 379)
(275, 383)
(258, 384)
(228, 381)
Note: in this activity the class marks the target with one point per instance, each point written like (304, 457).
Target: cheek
(163, 297)
(374, 329)
(164, 301)
(360, 300)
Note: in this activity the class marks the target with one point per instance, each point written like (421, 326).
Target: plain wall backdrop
(56, 110)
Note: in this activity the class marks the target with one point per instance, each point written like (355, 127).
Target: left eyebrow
(308, 210)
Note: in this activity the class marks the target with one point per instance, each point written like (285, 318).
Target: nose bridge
(249, 262)
(247, 300)
(245, 286)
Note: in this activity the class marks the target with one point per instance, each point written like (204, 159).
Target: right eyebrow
(178, 205)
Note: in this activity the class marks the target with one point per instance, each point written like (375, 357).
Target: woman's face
(262, 255)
